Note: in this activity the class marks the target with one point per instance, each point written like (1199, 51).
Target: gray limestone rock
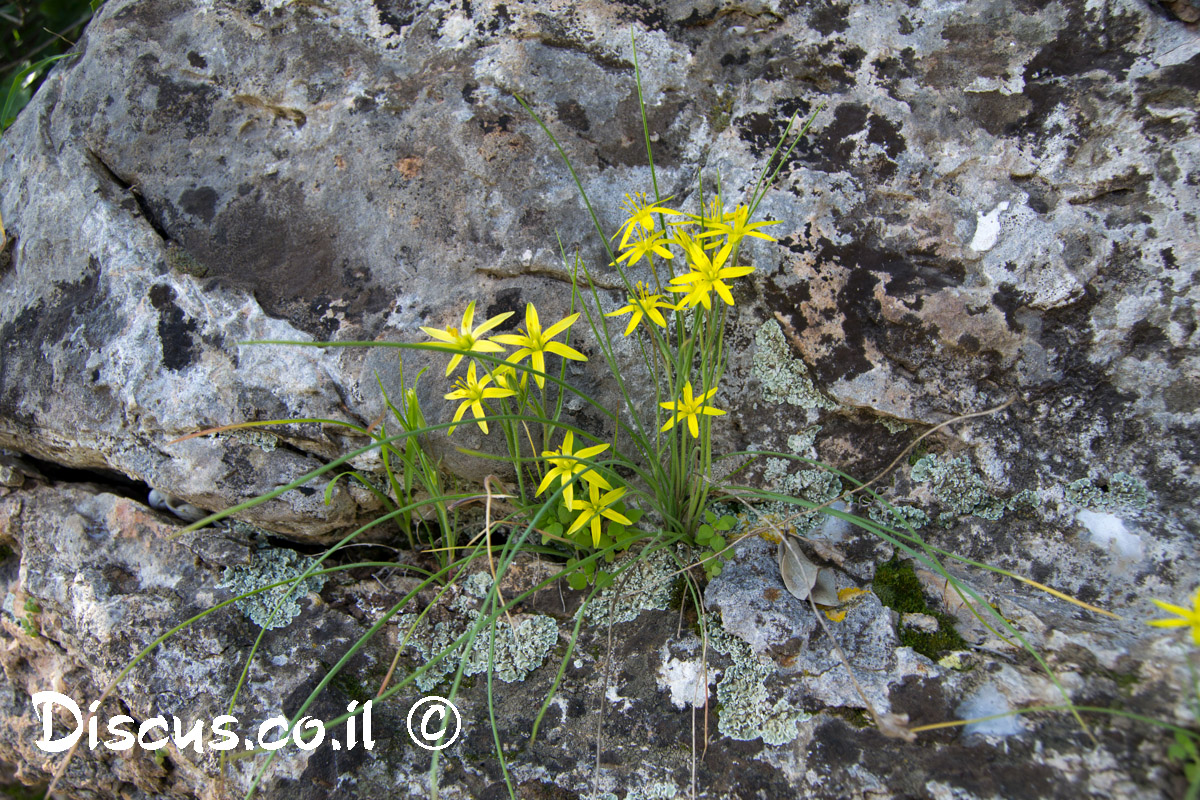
(995, 203)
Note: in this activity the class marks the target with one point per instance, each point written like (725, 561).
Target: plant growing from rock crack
(582, 498)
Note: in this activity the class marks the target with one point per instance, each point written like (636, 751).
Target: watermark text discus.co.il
(429, 725)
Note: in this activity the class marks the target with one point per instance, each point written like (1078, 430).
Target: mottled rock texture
(997, 201)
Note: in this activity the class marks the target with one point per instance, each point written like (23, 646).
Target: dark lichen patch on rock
(997, 113)
(175, 329)
(1090, 40)
(200, 202)
(906, 769)
(270, 243)
(828, 18)
(187, 105)
(762, 130)
(508, 301)
(573, 114)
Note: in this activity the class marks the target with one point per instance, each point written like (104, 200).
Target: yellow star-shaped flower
(568, 464)
(595, 507)
(735, 225)
(652, 242)
(641, 215)
(472, 393)
(707, 275)
(464, 340)
(643, 304)
(534, 343)
(691, 409)
(1187, 616)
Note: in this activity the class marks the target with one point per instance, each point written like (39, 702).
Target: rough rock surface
(995, 203)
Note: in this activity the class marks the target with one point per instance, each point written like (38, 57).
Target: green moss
(932, 645)
(29, 626)
(269, 565)
(679, 595)
(897, 586)
(720, 112)
(348, 685)
(180, 260)
(1125, 681)
(1122, 491)
(16, 791)
(784, 378)
(857, 717)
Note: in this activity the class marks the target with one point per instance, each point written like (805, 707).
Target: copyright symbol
(432, 723)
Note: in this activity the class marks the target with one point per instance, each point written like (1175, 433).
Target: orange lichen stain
(409, 167)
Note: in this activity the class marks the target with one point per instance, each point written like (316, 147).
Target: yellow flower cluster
(566, 463)
(710, 254)
(720, 231)
(532, 343)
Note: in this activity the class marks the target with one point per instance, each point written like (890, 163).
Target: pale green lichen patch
(802, 443)
(1123, 491)
(642, 584)
(814, 485)
(514, 653)
(893, 425)
(784, 378)
(961, 489)
(899, 516)
(746, 711)
(270, 565)
(652, 790)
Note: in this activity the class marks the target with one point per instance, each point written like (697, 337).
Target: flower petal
(491, 323)
(566, 352)
(560, 326)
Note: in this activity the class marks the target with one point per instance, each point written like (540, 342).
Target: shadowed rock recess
(997, 201)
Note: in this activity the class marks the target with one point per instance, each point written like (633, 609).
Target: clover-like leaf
(552, 532)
